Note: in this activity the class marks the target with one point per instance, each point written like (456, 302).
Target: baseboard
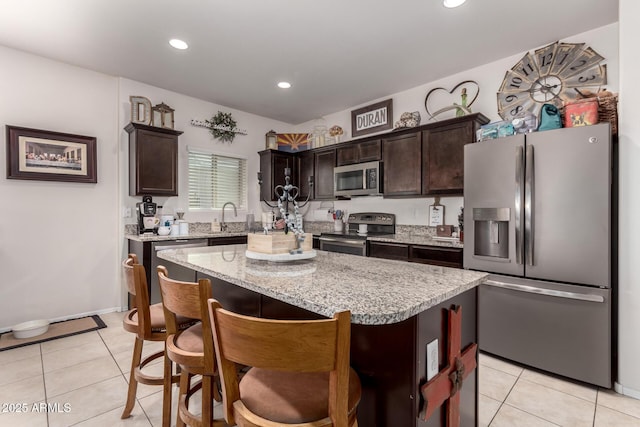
(619, 388)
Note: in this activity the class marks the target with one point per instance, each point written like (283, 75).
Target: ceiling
(336, 54)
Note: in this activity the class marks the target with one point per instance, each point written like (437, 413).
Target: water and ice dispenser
(491, 232)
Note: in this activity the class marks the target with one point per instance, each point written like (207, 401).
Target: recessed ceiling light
(284, 85)
(178, 44)
(453, 3)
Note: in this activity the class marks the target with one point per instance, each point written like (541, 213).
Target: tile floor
(82, 381)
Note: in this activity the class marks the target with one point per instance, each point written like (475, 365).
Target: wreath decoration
(222, 126)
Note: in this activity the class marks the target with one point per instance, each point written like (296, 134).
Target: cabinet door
(369, 151)
(402, 166)
(447, 257)
(272, 166)
(153, 161)
(386, 250)
(347, 155)
(306, 169)
(366, 151)
(443, 154)
(325, 161)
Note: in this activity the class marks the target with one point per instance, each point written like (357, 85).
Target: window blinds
(216, 179)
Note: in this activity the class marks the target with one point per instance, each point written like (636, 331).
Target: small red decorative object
(444, 387)
(583, 112)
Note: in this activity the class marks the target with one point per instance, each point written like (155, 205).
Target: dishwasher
(176, 272)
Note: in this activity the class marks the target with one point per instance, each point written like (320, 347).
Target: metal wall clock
(550, 75)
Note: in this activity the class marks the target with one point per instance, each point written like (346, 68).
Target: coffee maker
(147, 209)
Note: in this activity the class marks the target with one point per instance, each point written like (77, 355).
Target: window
(215, 179)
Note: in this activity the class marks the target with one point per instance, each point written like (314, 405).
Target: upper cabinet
(422, 161)
(324, 162)
(443, 153)
(402, 165)
(360, 152)
(153, 160)
(306, 168)
(272, 166)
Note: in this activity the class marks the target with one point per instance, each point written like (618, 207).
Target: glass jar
(318, 136)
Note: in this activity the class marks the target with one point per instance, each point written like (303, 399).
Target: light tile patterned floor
(83, 380)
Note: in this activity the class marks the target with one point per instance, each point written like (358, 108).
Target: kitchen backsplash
(315, 227)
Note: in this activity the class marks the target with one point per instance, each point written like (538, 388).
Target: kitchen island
(397, 308)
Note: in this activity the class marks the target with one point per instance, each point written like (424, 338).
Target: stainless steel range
(351, 241)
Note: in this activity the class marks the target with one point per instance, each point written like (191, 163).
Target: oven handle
(347, 241)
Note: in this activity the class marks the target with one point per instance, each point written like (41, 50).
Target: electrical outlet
(432, 359)
(126, 212)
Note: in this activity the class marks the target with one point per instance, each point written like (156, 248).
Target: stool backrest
(187, 299)
(283, 345)
(136, 280)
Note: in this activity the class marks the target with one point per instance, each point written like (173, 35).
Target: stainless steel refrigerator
(537, 213)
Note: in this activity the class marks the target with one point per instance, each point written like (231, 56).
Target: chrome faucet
(223, 225)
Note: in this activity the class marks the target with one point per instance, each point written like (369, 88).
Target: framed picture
(436, 215)
(372, 118)
(50, 156)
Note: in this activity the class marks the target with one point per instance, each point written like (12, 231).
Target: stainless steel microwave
(362, 179)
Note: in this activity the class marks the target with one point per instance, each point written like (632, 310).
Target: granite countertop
(417, 239)
(407, 239)
(376, 293)
(156, 238)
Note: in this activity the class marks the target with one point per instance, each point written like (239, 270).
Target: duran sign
(372, 118)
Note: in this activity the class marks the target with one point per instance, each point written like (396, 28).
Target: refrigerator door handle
(547, 292)
(518, 204)
(528, 205)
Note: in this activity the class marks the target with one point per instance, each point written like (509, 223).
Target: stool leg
(185, 380)
(166, 392)
(133, 383)
(207, 399)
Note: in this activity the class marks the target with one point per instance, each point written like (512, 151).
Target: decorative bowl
(30, 329)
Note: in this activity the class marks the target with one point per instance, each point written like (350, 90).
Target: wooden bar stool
(147, 323)
(188, 349)
(300, 373)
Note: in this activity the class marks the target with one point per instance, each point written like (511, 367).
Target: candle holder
(287, 195)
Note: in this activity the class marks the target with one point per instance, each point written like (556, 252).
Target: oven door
(344, 246)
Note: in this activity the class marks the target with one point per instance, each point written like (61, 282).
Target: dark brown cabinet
(397, 251)
(272, 166)
(153, 160)
(366, 151)
(227, 240)
(436, 255)
(443, 154)
(324, 163)
(306, 168)
(423, 254)
(402, 164)
(423, 161)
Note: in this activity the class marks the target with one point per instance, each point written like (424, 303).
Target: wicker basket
(608, 111)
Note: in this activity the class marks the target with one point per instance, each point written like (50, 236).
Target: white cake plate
(281, 257)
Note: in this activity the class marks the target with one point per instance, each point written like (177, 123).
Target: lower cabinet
(436, 255)
(231, 240)
(424, 254)
(397, 251)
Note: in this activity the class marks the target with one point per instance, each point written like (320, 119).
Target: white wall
(62, 243)
(629, 246)
(58, 241)
(489, 77)
(188, 108)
